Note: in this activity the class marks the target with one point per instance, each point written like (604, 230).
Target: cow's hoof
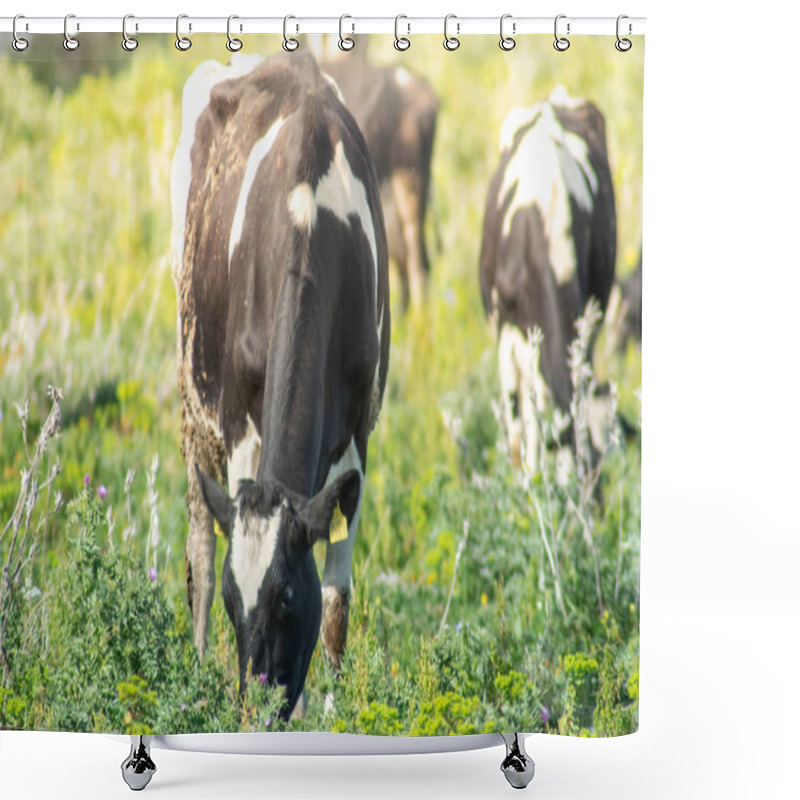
(138, 768)
(517, 766)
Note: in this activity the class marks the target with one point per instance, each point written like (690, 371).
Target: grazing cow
(549, 244)
(281, 270)
(396, 111)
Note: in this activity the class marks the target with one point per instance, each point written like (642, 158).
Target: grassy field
(485, 599)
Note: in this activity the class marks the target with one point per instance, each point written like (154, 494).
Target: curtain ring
(18, 43)
(70, 42)
(129, 43)
(561, 44)
(507, 42)
(345, 42)
(289, 44)
(400, 42)
(451, 42)
(233, 44)
(183, 43)
(623, 45)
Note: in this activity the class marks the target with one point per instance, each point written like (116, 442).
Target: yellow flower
(484, 599)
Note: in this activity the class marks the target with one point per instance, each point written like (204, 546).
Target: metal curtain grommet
(623, 45)
(183, 43)
(507, 42)
(289, 44)
(70, 42)
(129, 43)
(17, 42)
(451, 42)
(401, 43)
(345, 42)
(233, 44)
(561, 44)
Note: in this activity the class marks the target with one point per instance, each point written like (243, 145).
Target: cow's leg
(525, 395)
(200, 540)
(510, 388)
(336, 580)
(406, 190)
(536, 398)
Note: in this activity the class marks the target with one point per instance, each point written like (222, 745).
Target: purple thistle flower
(86, 481)
(153, 574)
(545, 712)
(262, 678)
(102, 492)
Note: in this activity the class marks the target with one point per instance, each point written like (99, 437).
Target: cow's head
(270, 583)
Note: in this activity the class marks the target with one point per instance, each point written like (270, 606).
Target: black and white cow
(549, 244)
(281, 269)
(396, 111)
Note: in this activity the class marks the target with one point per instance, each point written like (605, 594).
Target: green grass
(87, 304)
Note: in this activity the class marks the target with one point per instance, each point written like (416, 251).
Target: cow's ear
(217, 500)
(342, 497)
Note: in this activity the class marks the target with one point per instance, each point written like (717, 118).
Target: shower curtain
(193, 538)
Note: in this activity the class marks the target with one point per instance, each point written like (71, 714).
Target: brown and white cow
(280, 264)
(549, 244)
(396, 111)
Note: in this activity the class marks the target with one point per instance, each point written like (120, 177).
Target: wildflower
(262, 678)
(102, 492)
(86, 481)
(183, 706)
(484, 599)
(545, 712)
(153, 574)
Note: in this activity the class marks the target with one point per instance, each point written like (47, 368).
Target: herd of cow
(292, 187)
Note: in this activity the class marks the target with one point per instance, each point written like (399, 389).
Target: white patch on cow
(253, 544)
(520, 375)
(196, 95)
(258, 153)
(343, 194)
(402, 76)
(303, 207)
(334, 86)
(550, 166)
(339, 556)
(561, 97)
(515, 119)
(243, 461)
